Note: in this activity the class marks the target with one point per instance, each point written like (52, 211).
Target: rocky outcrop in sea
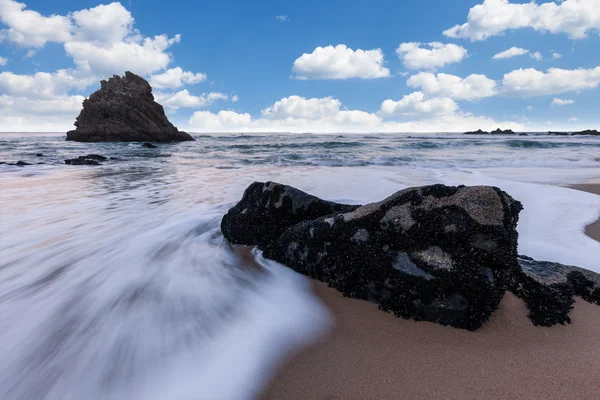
(437, 253)
(496, 132)
(124, 110)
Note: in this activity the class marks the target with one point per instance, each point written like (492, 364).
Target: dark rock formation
(502, 132)
(266, 210)
(496, 132)
(124, 110)
(523, 134)
(90, 159)
(436, 253)
(21, 163)
(477, 132)
(39, 155)
(585, 132)
(433, 253)
(149, 145)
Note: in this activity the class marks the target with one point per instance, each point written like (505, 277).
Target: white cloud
(562, 102)
(234, 98)
(472, 87)
(222, 121)
(144, 57)
(340, 62)
(512, 52)
(176, 77)
(415, 104)
(537, 55)
(437, 55)
(28, 28)
(104, 23)
(30, 53)
(556, 55)
(572, 119)
(41, 85)
(531, 82)
(183, 99)
(493, 17)
(281, 18)
(529, 108)
(300, 107)
(3, 61)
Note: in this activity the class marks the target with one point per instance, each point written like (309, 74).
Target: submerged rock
(22, 163)
(90, 159)
(149, 145)
(124, 110)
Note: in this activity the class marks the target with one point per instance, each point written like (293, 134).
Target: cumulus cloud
(104, 23)
(556, 55)
(531, 82)
(415, 104)
(143, 57)
(562, 102)
(432, 55)
(224, 120)
(281, 18)
(512, 52)
(42, 85)
(183, 99)
(175, 77)
(3, 61)
(493, 17)
(473, 87)
(572, 119)
(28, 28)
(340, 62)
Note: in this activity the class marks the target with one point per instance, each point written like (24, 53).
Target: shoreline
(592, 230)
(373, 354)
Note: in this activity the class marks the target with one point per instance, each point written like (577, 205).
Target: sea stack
(124, 110)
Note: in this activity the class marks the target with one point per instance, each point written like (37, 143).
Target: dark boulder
(21, 163)
(90, 159)
(434, 253)
(95, 157)
(39, 155)
(149, 145)
(267, 209)
(124, 110)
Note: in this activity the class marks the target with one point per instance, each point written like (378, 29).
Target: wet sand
(373, 355)
(592, 230)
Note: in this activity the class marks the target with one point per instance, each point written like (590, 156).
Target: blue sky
(320, 66)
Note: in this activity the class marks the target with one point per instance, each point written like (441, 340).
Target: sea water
(116, 283)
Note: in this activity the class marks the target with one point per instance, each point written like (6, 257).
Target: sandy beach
(371, 354)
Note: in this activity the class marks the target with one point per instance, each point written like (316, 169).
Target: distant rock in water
(496, 132)
(124, 110)
(90, 159)
(585, 132)
(437, 253)
(149, 145)
(477, 132)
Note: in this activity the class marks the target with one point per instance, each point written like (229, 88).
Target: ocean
(116, 283)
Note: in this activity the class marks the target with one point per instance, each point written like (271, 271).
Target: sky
(309, 66)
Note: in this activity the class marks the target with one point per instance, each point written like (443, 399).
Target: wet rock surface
(267, 209)
(90, 159)
(437, 253)
(124, 110)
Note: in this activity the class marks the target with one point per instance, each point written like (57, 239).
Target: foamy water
(115, 282)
